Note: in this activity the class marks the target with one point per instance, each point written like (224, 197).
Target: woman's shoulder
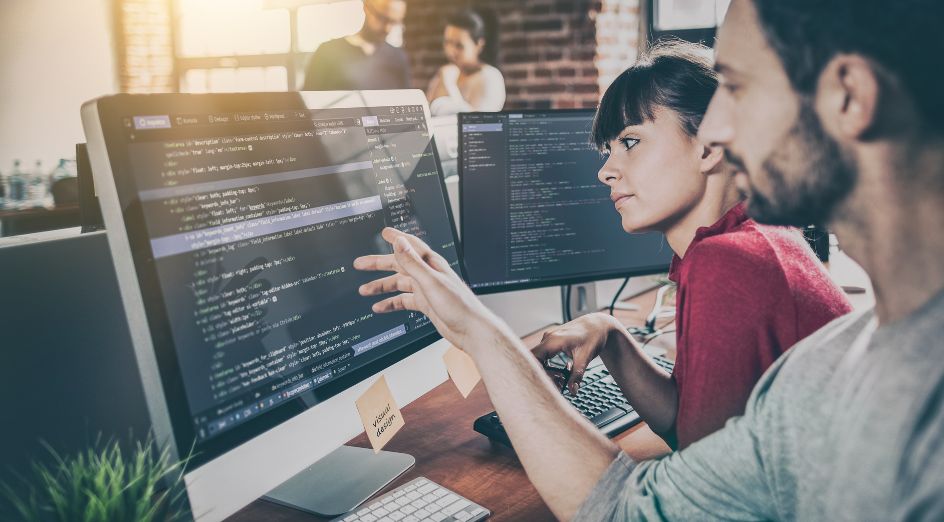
(490, 71)
(744, 254)
(746, 243)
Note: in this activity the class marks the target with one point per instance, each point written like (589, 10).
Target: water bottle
(17, 185)
(38, 189)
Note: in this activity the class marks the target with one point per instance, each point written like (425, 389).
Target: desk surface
(439, 434)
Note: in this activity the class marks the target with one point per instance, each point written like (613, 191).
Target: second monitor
(532, 210)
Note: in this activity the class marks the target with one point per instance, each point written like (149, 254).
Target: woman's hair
(477, 27)
(673, 74)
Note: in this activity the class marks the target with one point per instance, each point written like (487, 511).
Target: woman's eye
(628, 143)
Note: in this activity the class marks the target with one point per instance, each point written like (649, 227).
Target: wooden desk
(439, 434)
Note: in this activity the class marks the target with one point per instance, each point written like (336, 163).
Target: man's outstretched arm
(567, 459)
(563, 454)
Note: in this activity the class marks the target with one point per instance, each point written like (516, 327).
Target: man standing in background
(363, 60)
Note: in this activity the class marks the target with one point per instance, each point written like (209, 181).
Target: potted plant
(103, 483)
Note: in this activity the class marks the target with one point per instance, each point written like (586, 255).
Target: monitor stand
(577, 300)
(340, 481)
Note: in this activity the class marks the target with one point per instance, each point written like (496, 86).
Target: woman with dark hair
(469, 82)
(746, 292)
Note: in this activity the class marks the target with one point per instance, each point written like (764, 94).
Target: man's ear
(711, 157)
(847, 97)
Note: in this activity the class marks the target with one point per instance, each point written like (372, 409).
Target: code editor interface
(532, 207)
(254, 220)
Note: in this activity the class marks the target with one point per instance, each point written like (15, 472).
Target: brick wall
(553, 53)
(145, 46)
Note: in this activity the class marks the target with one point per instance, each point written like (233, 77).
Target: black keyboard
(599, 400)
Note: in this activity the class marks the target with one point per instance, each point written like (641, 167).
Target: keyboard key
(422, 513)
(462, 515)
(351, 517)
(413, 495)
(607, 417)
(408, 510)
(403, 501)
(447, 500)
(385, 519)
(368, 518)
(411, 487)
(426, 488)
(362, 512)
(410, 518)
(437, 517)
(431, 497)
(456, 507)
(380, 512)
(419, 503)
(396, 515)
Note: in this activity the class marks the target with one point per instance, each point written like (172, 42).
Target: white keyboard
(418, 500)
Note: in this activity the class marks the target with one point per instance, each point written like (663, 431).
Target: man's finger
(376, 263)
(395, 304)
(426, 253)
(386, 285)
(411, 263)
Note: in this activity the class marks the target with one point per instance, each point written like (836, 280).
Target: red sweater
(746, 293)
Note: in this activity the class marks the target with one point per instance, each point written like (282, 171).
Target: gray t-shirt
(829, 433)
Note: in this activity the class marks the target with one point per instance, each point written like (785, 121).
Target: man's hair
(674, 75)
(900, 36)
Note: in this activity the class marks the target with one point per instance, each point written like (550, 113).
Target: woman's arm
(648, 388)
(435, 88)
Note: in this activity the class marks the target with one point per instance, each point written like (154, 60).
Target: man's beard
(823, 175)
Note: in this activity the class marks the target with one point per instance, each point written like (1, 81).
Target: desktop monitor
(233, 221)
(533, 212)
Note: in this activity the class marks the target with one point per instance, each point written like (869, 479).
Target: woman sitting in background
(467, 82)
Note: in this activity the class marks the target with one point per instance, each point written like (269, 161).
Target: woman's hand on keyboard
(424, 282)
(582, 339)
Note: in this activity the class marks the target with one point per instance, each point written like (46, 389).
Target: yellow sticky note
(462, 370)
(380, 414)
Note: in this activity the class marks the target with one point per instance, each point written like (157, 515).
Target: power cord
(567, 317)
(618, 292)
(658, 310)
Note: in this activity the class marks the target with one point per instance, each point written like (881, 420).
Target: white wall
(54, 55)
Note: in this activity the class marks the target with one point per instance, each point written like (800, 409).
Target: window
(255, 45)
(692, 20)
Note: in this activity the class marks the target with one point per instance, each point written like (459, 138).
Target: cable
(654, 336)
(618, 292)
(567, 317)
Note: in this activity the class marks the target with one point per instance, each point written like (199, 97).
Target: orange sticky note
(380, 414)
(462, 370)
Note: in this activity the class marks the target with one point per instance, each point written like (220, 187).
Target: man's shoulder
(824, 348)
(334, 48)
(390, 52)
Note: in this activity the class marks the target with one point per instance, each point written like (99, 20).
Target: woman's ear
(711, 158)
